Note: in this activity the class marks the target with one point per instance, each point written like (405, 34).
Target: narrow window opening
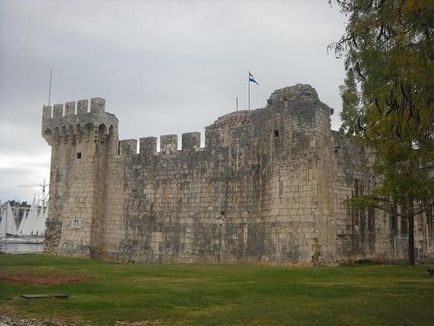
(78, 155)
(404, 226)
(430, 220)
(276, 133)
(394, 220)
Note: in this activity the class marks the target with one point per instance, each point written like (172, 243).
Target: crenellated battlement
(128, 146)
(190, 141)
(168, 144)
(97, 106)
(72, 120)
(148, 145)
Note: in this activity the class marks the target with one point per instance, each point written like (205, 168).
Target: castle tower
(294, 151)
(81, 143)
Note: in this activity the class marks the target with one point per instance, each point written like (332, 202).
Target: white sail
(22, 229)
(7, 223)
(32, 219)
(40, 224)
(3, 223)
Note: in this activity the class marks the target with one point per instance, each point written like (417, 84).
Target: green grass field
(223, 294)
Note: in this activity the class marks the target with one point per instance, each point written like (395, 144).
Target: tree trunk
(411, 257)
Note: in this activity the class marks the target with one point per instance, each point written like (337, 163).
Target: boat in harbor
(22, 228)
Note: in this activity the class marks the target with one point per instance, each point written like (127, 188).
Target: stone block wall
(269, 186)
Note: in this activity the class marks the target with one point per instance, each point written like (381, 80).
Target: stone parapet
(58, 123)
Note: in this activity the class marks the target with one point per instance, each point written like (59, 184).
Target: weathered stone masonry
(268, 186)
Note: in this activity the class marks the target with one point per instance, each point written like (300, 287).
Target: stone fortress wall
(269, 186)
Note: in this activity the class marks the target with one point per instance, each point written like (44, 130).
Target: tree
(388, 100)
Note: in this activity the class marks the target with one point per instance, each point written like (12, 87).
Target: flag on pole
(252, 78)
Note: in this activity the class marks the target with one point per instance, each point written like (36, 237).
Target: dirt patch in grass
(137, 323)
(168, 280)
(151, 323)
(37, 278)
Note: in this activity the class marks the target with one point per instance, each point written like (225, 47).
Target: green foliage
(350, 102)
(222, 294)
(388, 97)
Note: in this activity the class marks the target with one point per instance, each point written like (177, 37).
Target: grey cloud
(163, 66)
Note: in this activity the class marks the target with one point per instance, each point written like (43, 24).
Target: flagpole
(248, 82)
(49, 87)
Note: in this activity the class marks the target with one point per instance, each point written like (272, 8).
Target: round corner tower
(297, 169)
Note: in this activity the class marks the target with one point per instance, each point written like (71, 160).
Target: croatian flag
(252, 78)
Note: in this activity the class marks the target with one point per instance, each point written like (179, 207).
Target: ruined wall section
(81, 143)
(350, 179)
(369, 233)
(360, 233)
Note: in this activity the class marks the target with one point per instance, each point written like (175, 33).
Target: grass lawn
(223, 294)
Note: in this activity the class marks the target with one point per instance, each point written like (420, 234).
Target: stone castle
(269, 186)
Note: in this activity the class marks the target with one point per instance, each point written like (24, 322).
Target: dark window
(393, 224)
(430, 220)
(78, 155)
(394, 220)
(276, 133)
(404, 226)
(356, 187)
(371, 220)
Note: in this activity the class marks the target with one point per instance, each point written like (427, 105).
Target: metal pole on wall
(248, 82)
(49, 87)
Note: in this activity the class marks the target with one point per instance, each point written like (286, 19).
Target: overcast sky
(163, 66)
